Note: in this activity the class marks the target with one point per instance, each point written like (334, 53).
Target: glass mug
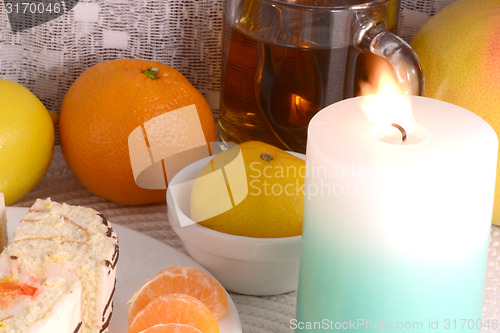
(284, 60)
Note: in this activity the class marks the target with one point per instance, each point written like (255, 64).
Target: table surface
(269, 314)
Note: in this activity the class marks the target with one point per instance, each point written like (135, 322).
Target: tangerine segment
(175, 308)
(183, 280)
(171, 328)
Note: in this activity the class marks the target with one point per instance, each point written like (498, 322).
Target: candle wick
(403, 132)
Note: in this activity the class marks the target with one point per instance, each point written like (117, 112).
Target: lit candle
(396, 232)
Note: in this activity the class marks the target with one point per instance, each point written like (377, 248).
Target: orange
(175, 308)
(171, 328)
(183, 280)
(104, 105)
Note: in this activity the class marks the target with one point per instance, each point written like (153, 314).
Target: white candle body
(396, 232)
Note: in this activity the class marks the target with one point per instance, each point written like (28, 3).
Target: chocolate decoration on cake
(106, 324)
(115, 255)
(110, 303)
(105, 221)
(77, 329)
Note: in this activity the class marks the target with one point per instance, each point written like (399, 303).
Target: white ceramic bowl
(246, 265)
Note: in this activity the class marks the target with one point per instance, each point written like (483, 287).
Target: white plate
(141, 257)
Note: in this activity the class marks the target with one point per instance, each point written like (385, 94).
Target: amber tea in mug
(283, 61)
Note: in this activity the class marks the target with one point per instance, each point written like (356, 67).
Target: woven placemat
(258, 314)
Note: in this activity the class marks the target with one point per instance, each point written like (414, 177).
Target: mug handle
(398, 53)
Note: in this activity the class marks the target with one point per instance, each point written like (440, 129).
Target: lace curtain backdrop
(185, 34)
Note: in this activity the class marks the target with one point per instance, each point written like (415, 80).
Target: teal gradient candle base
(345, 287)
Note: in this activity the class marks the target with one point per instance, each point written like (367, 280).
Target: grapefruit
(459, 50)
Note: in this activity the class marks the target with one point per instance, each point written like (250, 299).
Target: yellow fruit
(459, 49)
(26, 140)
(274, 202)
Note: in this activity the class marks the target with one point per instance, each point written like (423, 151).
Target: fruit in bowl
(266, 264)
(274, 185)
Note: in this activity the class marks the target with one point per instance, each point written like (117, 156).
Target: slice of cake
(39, 305)
(76, 244)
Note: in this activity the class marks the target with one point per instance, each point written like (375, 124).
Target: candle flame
(300, 109)
(386, 105)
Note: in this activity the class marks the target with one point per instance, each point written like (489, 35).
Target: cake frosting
(72, 243)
